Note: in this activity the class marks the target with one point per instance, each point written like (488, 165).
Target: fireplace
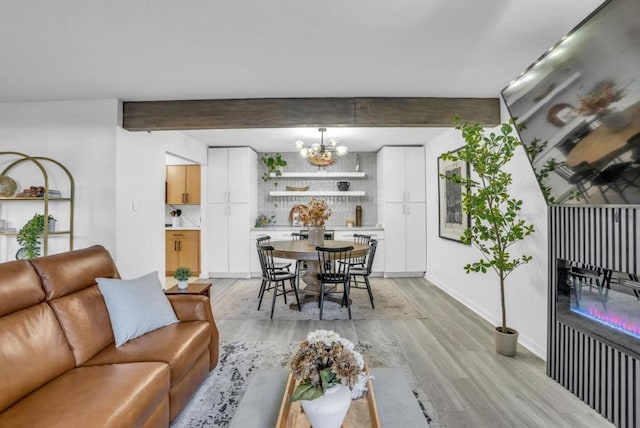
(600, 302)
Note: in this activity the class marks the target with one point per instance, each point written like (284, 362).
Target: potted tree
(495, 225)
(182, 274)
(29, 236)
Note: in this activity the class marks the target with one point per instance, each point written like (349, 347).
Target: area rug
(215, 403)
(239, 300)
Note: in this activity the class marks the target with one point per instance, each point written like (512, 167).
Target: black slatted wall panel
(600, 375)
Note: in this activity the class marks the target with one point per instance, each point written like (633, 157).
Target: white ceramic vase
(183, 285)
(329, 410)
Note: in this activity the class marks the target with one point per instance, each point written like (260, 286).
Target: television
(577, 110)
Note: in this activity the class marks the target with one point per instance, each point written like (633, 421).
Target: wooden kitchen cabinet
(183, 184)
(182, 248)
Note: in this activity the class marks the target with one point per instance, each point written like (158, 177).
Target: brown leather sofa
(59, 366)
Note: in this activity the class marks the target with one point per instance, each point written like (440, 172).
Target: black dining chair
(331, 272)
(272, 275)
(364, 272)
(265, 240)
(360, 239)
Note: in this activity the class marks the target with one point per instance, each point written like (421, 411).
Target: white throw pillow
(136, 306)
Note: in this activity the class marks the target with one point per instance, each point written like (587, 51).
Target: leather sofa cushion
(85, 322)
(33, 351)
(65, 273)
(19, 287)
(178, 345)
(120, 395)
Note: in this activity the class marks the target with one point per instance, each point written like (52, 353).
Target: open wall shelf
(319, 174)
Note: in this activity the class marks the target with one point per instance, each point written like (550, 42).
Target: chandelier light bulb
(326, 155)
(299, 145)
(333, 142)
(304, 152)
(341, 150)
(315, 148)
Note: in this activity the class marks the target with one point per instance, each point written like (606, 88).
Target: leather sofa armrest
(198, 308)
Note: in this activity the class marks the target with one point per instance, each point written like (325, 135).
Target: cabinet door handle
(179, 245)
(408, 209)
(186, 198)
(175, 245)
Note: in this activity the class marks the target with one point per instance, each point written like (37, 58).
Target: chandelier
(321, 151)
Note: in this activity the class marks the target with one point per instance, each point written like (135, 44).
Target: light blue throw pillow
(136, 306)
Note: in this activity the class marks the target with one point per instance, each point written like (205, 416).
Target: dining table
(603, 144)
(302, 250)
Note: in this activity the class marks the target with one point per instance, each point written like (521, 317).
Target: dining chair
(265, 240)
(334, 273)
(364, 272)
(360, 239)
(591, 276)
(272, 275)
(300, 264)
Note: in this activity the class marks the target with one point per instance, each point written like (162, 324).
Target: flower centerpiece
(315, 218)
(327, 368)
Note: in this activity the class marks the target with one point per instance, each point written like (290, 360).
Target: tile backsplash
(341, 206)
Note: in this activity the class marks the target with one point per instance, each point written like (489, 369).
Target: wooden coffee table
(201, 287)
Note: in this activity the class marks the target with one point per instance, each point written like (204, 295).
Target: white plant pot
(183, 285)
(329, 410)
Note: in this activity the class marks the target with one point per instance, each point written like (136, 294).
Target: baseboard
(404, 274)
(229, 275)
(535, 348)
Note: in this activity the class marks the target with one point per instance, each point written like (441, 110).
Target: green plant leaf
(306, 391)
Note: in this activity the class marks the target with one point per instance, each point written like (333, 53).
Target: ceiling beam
(302, 112)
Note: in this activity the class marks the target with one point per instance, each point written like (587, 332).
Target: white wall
(81, 135)
(526, 287)
(140, 207)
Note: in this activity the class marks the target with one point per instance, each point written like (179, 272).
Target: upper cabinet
(231, 175)
(183, 184)
(402, 174)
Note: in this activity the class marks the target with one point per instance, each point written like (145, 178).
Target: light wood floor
(450, 352)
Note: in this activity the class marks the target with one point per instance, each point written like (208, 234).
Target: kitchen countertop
(181, 228)
(328, 227)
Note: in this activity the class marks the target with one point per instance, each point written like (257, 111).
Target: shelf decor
(41, 194)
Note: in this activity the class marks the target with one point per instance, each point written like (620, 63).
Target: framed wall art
(453, 221)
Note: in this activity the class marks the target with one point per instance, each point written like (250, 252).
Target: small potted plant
(182, 274)
(274, 164)
(495, 225)
(29, 236)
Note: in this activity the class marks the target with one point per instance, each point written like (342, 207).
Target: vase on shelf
(316, 235)
(330, 409)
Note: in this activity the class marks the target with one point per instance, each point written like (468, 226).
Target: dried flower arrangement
(597, 101)
(317, 214)
(325, 360)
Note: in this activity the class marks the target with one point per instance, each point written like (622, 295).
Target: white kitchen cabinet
(402, 210)
(402, 178)
(231, 208)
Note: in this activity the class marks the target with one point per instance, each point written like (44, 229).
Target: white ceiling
(200, 49)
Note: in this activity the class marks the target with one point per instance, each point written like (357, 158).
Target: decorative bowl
(7, 186)
(297, 188)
